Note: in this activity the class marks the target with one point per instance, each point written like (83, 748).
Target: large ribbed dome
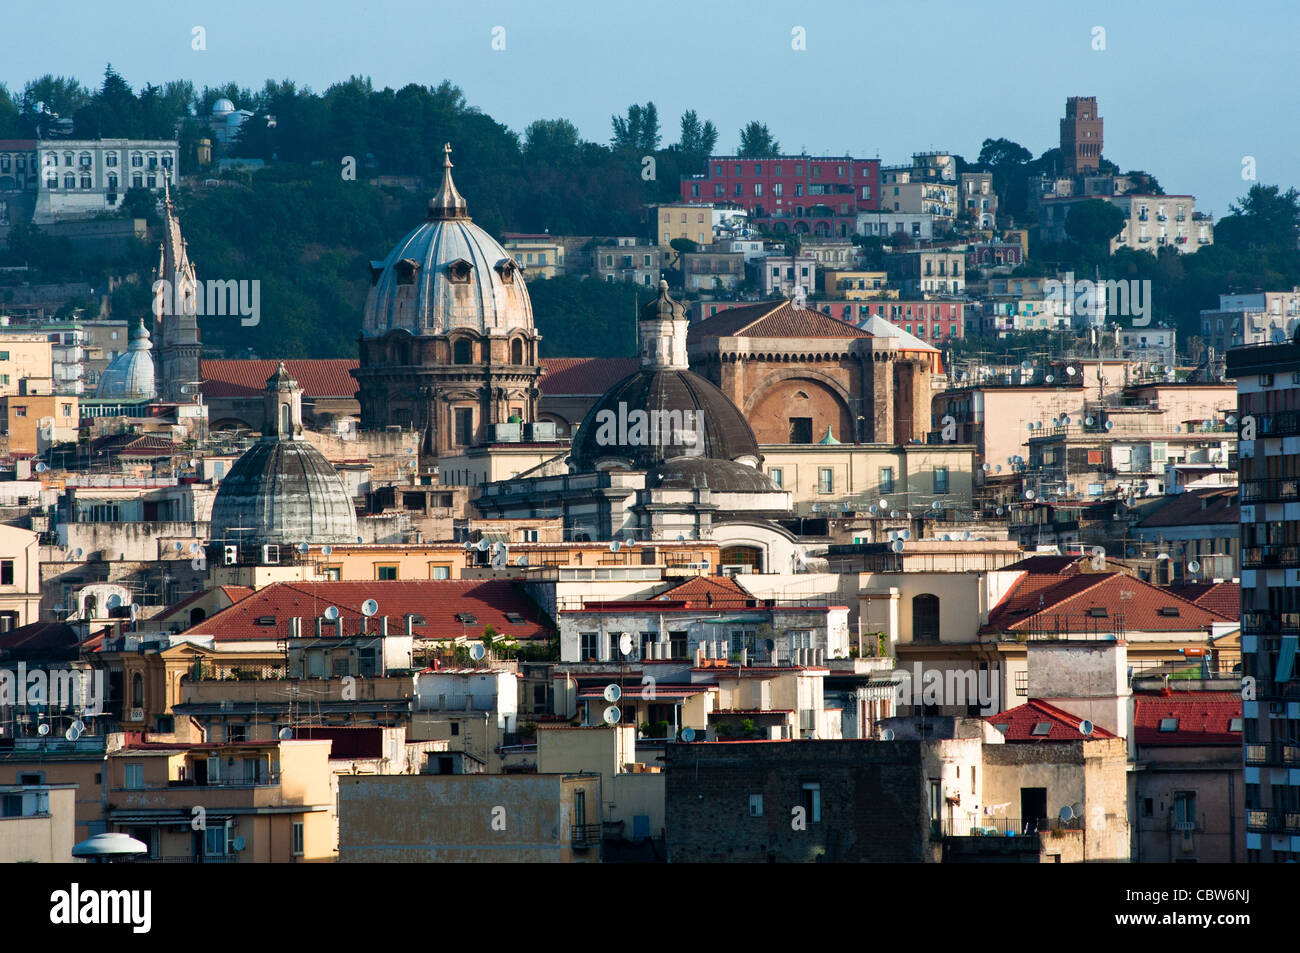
(665, 391)
(130, 375)
(447, 274)
(282, 490)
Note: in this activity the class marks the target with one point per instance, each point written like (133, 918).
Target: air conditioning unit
(231, 555)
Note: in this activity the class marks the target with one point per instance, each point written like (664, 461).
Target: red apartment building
(813, 195)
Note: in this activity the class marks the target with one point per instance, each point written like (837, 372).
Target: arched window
(516, 351)
(137, 690)
(285, 425)
(460, 352)
(197, 615)
(925, 618)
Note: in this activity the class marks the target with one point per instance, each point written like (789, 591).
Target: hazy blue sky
(1186, 88)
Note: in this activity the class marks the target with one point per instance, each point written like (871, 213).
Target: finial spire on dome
(447, 203)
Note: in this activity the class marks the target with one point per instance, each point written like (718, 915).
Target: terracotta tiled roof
(232, 593)
(437, 602)
(1198, 507)
(1066, 601)
(585, 375)
(1203, 718)
(39, 638)
(1062, 726)
(772, 319)
(711, 592)
(318, 378)
(1221, 597)
(133, 445)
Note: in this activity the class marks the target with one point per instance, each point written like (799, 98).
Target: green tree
(756, 142)
(638, 131)
(1094, 222)
(1265, 217)
(698, 139)
(1002, 153)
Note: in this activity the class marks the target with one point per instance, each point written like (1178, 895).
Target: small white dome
(222, 106)
(130, 376)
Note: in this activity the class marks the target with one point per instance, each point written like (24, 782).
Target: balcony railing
(1271, 557)
(996, 826)
(1272, 753)
(585, 835)
(1285, 423)
(189, 859)
(1273, 490)
(1273, 821)
(1270, 623)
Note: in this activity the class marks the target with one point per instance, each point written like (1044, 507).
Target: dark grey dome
(721, 476)
(282, 490)
(671, 393)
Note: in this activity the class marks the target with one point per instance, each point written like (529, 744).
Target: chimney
(383, 626)
(410, 624)
(338, 627)
(320, 623)
(295, 627)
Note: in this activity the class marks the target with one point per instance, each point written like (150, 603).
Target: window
(236, 733)
(6, 572)
(1168, 724)
(385, 573)
(925, 618)
(811, 799)
(134, 775)
(800, 430)
(825, 480)
(756, 805)
(940, 479)
(460, 352)
(1185, 812)
(1042, 728)
(886, 480)
(587, 650)
(777, 475)
(464, 418)
(214, 841)
(296, 846)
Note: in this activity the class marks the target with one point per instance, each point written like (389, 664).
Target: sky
(1188, 90)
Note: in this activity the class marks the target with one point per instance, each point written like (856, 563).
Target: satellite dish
(326, 550)
(1088, 421)
(114, 601)
(904, 534)
(893, 514)
(78, 726)
(238, 844)
(1070, 371)
(884, 505)
(1110, 425)
(872, 509)
(195, 547)
(481, 545)
(1029, 494)
(615, 546)
(1162, 556)
(1026, 365)
(1065, 420)
(1066, 813)
(285, 734)
(521, 561)
(688, 735)
(987, 467)
(72, 734)
(896, 545)
(1049, 378)
(887, 734)
(936, 506)
(625, 644)
(41, 468)
(304, 548)
(1085, 727)
(1193, 567)
(477, 651)
(331, 613)
(612, 715)
(1031, 425)
(1231, 420)
(612, 693)
(43, 730)
(369, 608)
(177, 546)
(999, 511)
(361, 539)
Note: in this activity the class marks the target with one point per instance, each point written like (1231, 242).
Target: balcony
(1270, 490)
(1272, 753)
(992, 826)
(1271, 557)
(1270, 623)
(1281, 424)
(1274, 821)
(188, 859)
(585, 835)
